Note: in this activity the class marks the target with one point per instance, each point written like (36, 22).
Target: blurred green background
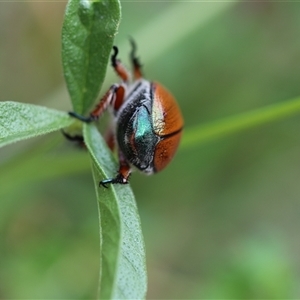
(222, 221)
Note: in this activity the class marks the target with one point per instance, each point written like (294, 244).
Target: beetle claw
(80, 117)
(104, 183)
(75, 138)
(114, 60)
(120, 179)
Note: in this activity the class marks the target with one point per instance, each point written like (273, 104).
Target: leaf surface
(122, 260)
(88, 32)
(20, 121)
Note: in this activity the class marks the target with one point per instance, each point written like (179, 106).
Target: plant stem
(213, 130)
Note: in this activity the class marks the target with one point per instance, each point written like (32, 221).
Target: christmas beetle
(148, 121)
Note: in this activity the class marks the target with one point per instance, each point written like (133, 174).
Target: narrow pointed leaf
(122, 263)
(20, 121)
(88, 32)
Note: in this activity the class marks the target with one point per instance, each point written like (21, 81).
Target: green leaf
(122, 263)
(20, 121)
(88, 32)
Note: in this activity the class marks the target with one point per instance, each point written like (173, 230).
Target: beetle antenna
(114, 60)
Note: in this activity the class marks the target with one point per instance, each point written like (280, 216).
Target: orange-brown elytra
(148, 121)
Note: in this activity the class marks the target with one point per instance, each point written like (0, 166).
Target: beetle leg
(105, 101)
(123, 173)
(137, 67)
(110, 138)
(74, 138)
(117, 65)
(116, 92)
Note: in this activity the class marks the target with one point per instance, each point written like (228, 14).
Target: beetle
(148, 121)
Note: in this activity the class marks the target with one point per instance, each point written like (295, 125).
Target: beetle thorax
(138, 89)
